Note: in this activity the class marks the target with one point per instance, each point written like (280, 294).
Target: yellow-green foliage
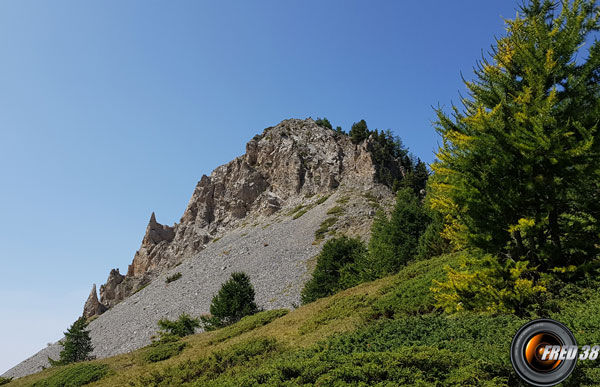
(483, 284)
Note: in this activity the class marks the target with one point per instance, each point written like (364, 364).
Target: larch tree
(518, 173)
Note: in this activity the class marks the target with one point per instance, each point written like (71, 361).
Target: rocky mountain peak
(287, 162)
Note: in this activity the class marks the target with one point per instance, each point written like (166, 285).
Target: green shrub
(185, 325)
(234, 300)
(162, 350)
(248, 353)
(336, 253)
(173, 277)
(75, 375)
(409, 292)
(4, 381)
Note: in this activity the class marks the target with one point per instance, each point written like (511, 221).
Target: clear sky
(110, 110)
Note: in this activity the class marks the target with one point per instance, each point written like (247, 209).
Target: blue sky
(111, 110)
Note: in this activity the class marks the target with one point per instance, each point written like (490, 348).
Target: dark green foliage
(77, 344)
(394, 240)
(185, 325)
(163, 349)
(336, 253)
(234, 300)
(431, 242)
(519, 166)
(74, 376)
(4, 381)
(173, 277)
(428, 350)
(205, 371)
(416, 178)
(391, 159)
(324, 122)
(359, 132)
(409, 293)
(339, 129)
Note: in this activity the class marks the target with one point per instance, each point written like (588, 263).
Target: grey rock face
(92, 306)
(295, 159)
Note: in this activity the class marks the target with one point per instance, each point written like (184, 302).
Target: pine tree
(518, 172)
(324, 122)
(234, 300)
(394, 239)
(327, 277)
(359, 131)
(77, 344)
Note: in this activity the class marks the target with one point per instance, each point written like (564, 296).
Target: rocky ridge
(294, 159)
(256, 214)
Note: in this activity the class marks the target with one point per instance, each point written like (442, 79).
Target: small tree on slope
(77, 344)
(234, 300)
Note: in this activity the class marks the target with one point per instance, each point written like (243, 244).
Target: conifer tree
(234, 300)
(359, 131)
(394, 239)
(327, 277)
(518, 173)
(77, 344)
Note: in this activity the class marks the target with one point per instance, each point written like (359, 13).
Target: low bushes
(75, 375)
(163, 349)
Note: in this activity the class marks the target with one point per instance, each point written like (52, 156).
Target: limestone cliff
(295, 159)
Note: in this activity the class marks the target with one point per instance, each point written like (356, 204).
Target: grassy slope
(382, 333)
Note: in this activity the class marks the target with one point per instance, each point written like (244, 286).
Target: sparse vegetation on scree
(504, 230)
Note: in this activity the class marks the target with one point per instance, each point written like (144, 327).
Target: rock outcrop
(295, 159)
(92, 306)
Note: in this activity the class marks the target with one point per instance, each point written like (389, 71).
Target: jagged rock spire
(92, 306)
